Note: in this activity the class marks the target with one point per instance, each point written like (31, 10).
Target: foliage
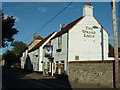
(8, 30)
(13, 57)
(110, 46)
(0, 57)
(18, 48)
(9, 58)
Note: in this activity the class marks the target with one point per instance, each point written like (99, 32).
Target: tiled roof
(41, 43)
(68, 27)
(36, 38)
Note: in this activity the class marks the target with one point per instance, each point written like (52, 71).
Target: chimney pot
(63, 26)
(88, 4)
(35, 36)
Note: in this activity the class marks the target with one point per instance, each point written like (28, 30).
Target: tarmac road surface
(11, 80)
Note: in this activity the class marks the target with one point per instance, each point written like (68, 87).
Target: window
(62, 67)
(76, 57)
(60, 42)
(57, 66)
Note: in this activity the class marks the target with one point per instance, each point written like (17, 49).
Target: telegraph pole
(115, 45)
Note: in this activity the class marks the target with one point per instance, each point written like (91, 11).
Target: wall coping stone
(107, 61)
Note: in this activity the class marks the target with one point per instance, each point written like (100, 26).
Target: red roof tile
(88, 4)
(68, 27)
(41, 43)
(36, 38)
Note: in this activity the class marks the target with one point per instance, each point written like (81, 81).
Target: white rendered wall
(60, 56)
(34, 59)
(87, 10)
(23, 59)
(87, 48)
(41, 57)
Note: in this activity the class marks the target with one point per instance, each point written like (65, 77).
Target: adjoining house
(25, 59)
(84, 39)
(33, 56)
(47, 59)
(111, 52)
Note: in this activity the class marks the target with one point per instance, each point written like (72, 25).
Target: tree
(18, 48)
(13, 57)
(8, 30)
(10, 58)
(110, 46)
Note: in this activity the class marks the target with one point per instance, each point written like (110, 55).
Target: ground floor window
(62, 67)
(57, 67)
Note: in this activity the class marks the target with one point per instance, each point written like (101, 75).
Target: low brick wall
(100, 73)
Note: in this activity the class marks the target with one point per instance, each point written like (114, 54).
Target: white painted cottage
(32, 58)
(82, 40)
(27, 56)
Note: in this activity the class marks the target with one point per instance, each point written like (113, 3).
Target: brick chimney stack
(34, 36)
(62, 26)
(37, 37)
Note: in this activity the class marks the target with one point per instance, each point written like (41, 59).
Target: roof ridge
(68, 27)
(40, 43)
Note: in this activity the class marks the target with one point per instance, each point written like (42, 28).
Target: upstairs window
(60, 42)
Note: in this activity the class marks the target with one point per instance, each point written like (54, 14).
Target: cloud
(42, 9)
(16, 18)
(5, 16)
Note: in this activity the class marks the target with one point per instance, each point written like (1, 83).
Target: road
(11, 79)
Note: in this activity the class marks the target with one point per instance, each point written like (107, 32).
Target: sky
(32, 16)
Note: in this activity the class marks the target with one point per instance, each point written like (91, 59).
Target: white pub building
(82, 40)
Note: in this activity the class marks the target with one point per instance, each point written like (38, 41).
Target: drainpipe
(44, 63)
(38, 58)
(102, 43)
(67, 68)
(52, 61)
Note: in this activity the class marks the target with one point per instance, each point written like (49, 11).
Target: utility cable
(49, 21)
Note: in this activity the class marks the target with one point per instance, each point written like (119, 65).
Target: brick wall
(98, 73)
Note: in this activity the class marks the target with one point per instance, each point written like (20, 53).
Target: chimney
(62, 26)
(87, 9)
(34, 36)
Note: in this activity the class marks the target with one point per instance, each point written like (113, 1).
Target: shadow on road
(17, 78)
